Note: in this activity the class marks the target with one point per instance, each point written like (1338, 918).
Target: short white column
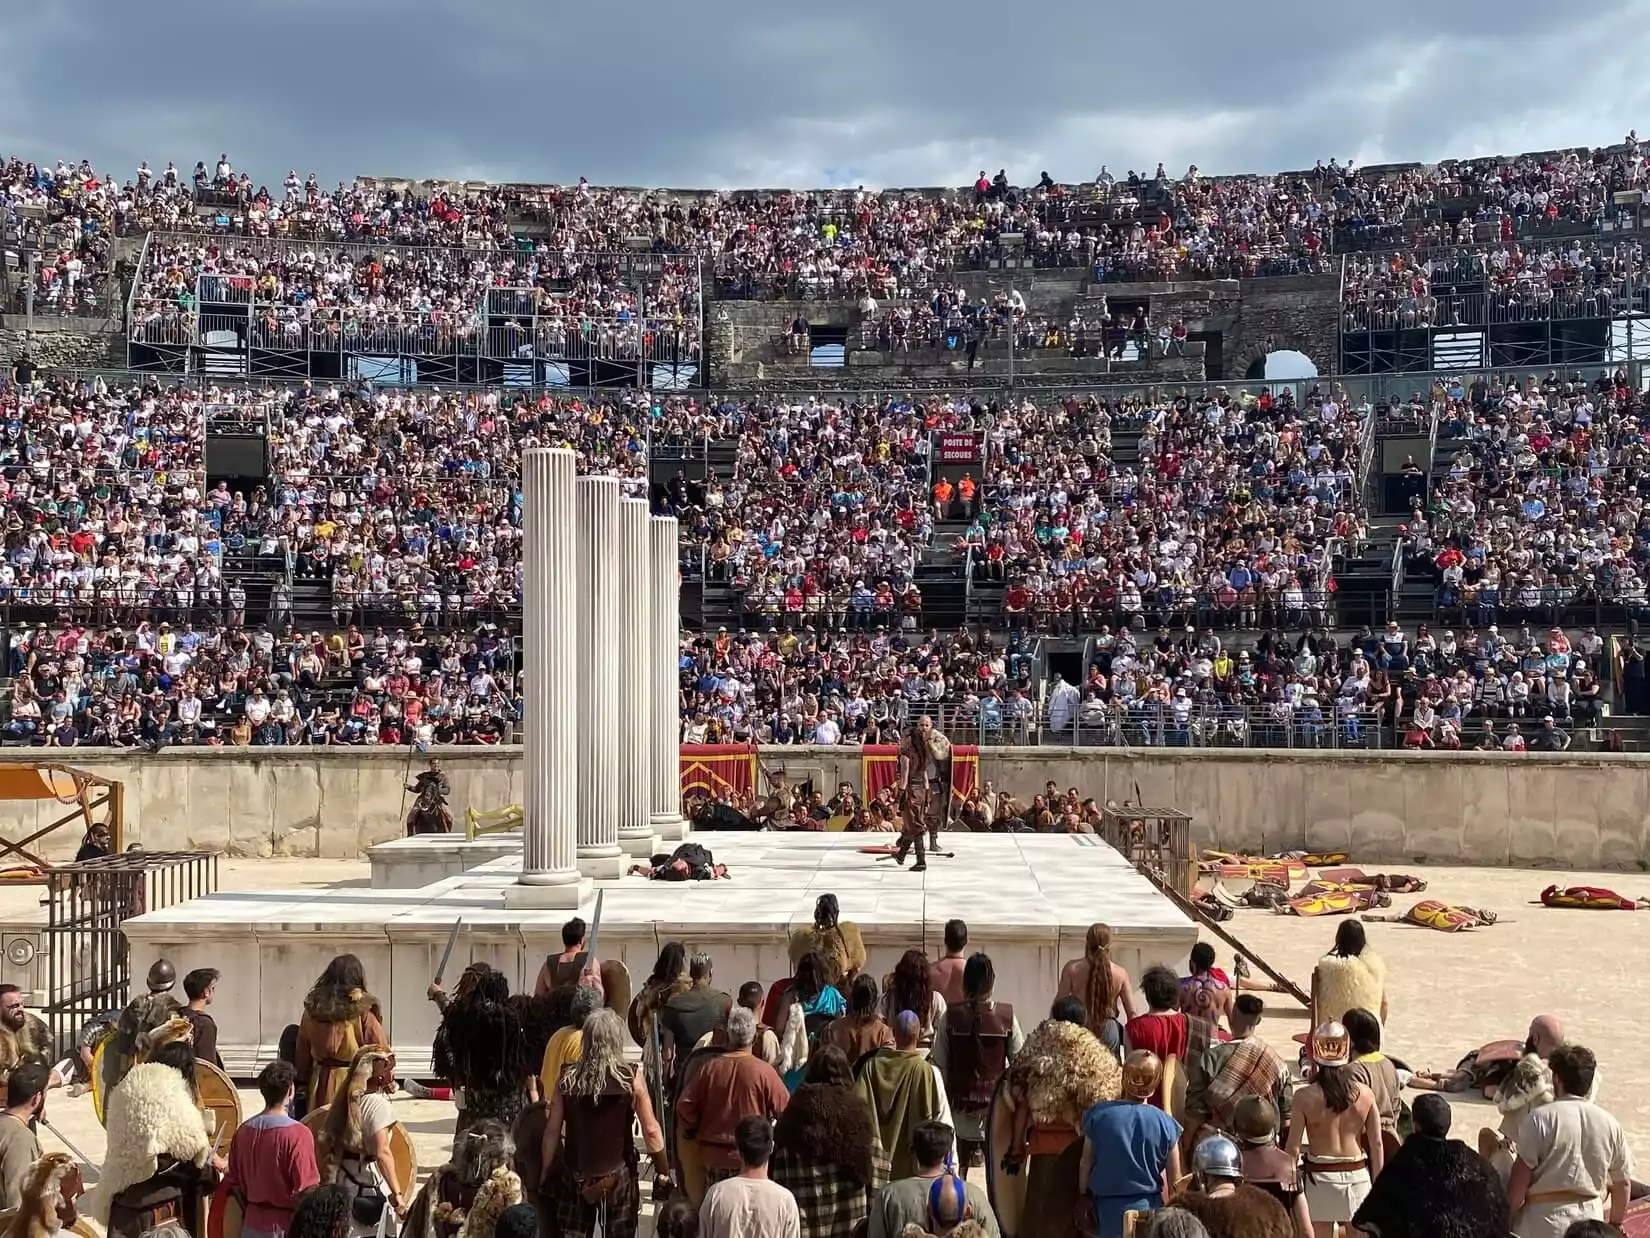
(598, 676)
(666, 624)
(634, 789)
(550, 875)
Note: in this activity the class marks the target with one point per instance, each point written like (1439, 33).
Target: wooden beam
(1197, 913)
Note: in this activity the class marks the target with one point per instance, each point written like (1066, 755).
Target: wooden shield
(102, 1060)
(1007, 1191)
(616, 987)
(219, 1098)
(224, 1220)
(401, 1149)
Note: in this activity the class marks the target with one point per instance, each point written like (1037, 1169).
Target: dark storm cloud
(725, 93)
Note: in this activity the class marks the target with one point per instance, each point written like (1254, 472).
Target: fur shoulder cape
(31, 1042)
(150, 1114)
(1527, 1086)
(502, 1190)
(333, 1005)
(1348, 981)
(1064, 1072)
(1248, 1212)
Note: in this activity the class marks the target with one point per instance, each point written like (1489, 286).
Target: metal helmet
(1142, 1072)
(162, 976)
(1216, 1156)
(1331, 1046)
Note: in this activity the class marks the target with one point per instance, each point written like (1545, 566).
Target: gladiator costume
(924, 792)
(777, 811)
(142, 1016)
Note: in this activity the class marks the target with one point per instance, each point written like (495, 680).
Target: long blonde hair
(342, 1135)
(601, 1057)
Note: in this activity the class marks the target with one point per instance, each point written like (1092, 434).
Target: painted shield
(401, 1149)
(224, 1220)
(105, 1074)
(219, 1098)
(1007, 1190)
(616, 986)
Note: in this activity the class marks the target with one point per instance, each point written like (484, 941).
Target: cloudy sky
(879, 92)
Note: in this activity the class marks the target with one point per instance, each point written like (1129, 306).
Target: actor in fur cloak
(1349, 976)
(340, 1018)
(49, 1194)
(1435, 1186)
(157, 1137)
(481, 1047)
(1059, 1075)
(467, 1195)
(24, 1037)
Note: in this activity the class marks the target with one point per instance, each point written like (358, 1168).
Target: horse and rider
(430, 814)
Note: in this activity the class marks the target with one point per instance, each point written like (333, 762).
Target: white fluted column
(550, 574)
(634, 788)
(665, 624)
(598, 676)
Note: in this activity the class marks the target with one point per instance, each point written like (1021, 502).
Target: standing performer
(481, 1048)
(924, 776)
(429, 813)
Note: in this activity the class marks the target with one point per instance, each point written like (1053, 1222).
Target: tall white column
(598, 676)
(634, 787)
(550, 574)
(665, 624)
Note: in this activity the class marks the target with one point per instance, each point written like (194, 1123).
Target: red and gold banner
(880, 768)
(719, 771)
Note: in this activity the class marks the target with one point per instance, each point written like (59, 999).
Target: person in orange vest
(966, 490)
(943, 493)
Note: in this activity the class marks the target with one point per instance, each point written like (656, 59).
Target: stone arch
(1249, 365)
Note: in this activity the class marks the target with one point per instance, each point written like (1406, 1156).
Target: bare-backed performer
(924, 789)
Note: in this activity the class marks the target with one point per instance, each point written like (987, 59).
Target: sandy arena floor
(1448, 992)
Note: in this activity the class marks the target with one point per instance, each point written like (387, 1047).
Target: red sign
(957, 448)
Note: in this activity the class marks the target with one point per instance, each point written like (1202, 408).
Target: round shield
(219, 1099)
(224, 1220)
(401, 1149)
(615, 986)
(1007, 1191)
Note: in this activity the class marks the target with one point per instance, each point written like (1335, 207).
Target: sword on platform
(447, 954)
(84, 1159)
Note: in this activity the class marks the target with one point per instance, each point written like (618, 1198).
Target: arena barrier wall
(1575, 811)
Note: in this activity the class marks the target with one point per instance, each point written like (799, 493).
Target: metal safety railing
(1078, 723)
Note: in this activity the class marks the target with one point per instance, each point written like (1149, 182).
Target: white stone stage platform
(1028, 901)
(413, 863)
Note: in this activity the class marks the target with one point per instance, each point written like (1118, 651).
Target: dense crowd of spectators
(1542, 507)
(844, 244)
(1176, 688)
(155, 684)
(1230, 515)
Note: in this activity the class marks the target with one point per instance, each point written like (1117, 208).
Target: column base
(670, 827)
(565, 896)
(606, 863)
(640, 846)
